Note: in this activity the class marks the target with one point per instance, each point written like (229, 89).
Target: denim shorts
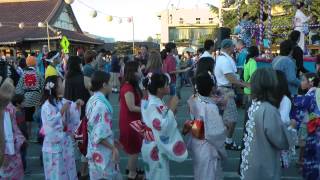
(172, 89)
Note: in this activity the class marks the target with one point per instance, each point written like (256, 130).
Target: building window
(210, 20)
(65, 21)
(181, 20)
(197, 20)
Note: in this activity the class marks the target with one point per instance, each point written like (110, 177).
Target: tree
(149, 39)
(231, 17)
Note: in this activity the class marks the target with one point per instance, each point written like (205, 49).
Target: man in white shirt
(208, 49)
(226, 75)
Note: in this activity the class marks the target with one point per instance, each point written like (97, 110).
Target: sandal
(233, 147)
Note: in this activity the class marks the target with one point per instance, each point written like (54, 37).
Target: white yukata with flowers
(58, 145)
(168, 143)
(208, 153)
(99, 113)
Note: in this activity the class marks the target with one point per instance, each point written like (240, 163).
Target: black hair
(204, 65)
(286, 47)
(51, 54)
(73, 66)
(313, 77)
(283, 86)
(163, 54)
(264, 85)
(245, 14)
(294, 36)
(144, 46)
(17, 99)
(130, 68)
(156, 81)
(97, 80)
(170, 46)
(51, 94)
(200, 51)
(300, 5)
(208, 44)
(103, 51)
(204, 83)
(22, 63)
(253, 52)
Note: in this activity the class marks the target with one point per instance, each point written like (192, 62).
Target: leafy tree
(149, 39)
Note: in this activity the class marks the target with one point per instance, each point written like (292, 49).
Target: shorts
(172, 89)
(230, 113)
(29, 111)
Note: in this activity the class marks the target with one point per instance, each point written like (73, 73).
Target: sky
(144, 13)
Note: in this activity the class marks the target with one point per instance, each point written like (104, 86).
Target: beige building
(187, 27)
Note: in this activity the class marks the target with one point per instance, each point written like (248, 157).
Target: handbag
(81, 136)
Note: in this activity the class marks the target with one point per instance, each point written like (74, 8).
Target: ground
(179, 171)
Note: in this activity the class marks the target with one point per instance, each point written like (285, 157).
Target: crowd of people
(69, 97)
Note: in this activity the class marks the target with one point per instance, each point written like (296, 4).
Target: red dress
(129, 138)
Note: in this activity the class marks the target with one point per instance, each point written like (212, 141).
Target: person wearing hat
(53, 59)
(225, 72)
(30, 85)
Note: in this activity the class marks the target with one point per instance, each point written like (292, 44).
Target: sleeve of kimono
(167, 136)
(53, 118)
(102, 127)
(302, 102)
(214, 129)
(19, 89)
(275, 131)
(284, 109)
(74, 118)
(19, 139)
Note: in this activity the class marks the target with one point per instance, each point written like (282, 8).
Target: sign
(64, 43)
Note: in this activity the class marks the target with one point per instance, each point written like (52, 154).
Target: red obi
(312, 125)
(196, 127)
(142, 129)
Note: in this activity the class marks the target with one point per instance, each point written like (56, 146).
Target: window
(210, 20)
(65, 21)
(178, 34)
(197, 20)
(181, 20)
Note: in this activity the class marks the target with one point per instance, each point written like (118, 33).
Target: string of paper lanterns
(94, 13)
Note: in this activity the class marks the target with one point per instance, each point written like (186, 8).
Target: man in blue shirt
(287, 65)
(241, 56)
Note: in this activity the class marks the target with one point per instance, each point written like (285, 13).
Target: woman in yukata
(103, 154)
(206, 132)
(266, 134)
(11, 137)
(310, 103)
(60, 118)
(167, 143)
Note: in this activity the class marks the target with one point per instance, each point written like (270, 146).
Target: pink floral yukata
(58, 150)
(14, 169)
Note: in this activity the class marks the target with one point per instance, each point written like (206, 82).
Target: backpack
(81, 136)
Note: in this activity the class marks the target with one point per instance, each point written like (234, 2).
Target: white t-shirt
(224, 65)
(284, 109)
(206, 54)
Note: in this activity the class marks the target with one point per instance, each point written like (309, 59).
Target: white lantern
(93, 13)
(69, 1)
(109, 18)
(41, 25)
(21, 25)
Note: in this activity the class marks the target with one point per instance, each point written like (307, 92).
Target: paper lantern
(109, 18)
(69, 1)
(41, 25)
(93, 13)
(21, 25)
(129, 20)
(119, 20)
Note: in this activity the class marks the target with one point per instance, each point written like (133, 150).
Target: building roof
(31, 13)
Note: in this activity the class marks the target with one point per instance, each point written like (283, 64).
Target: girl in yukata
(310, 103)
(167, 143)
(102, 154)
(309, 81)
(11, 137)
(60, 118)
(206, 132)
(266, 134)
(284, 109)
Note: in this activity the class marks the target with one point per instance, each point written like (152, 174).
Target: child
(13, 139)
(17, 101)
(60, 118)
(309, 81)
(206, 144)
(311, 104)
(284, 109)
(167, 143)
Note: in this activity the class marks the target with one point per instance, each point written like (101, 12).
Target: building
(28, 24)
(187, 27)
